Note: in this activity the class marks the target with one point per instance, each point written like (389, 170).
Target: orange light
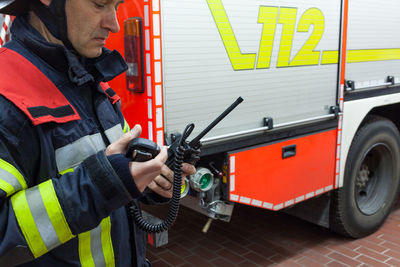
(133, 39)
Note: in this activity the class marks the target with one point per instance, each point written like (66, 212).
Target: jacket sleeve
(36, 218)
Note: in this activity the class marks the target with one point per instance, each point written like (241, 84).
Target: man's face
(89, 24)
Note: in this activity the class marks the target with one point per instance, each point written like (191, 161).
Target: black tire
(371, 180)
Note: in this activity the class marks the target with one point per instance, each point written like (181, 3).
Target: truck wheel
(371, 180)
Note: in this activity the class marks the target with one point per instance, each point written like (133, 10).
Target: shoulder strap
(112, 96)
(30, 90)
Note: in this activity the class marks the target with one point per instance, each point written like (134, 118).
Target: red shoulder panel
(31, 91)
(112, 96)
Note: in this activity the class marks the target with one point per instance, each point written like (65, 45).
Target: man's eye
(98, 5)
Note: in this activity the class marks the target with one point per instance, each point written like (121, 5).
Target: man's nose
(110, 22)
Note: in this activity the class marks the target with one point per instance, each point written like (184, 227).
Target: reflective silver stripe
(96, 247)
(73, 154)
(10, 179)
(114, 133)
(41, 218)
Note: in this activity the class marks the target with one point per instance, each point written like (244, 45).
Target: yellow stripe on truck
(362, 55)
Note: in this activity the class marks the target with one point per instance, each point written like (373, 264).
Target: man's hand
(143, 173)
(121, 145)
(162, 184)
(153, 173)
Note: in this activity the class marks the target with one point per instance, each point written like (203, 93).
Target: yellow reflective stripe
(66, 171)
(95, 246)
(11, 169)
(367, 55)
(85, 253)
(106, 242)
(11, 180)
(54, 211)
(238, 60)
(330, 57)
(27, 224)
(126, 127)
(6, 187)
(363, 55)
(41, 218)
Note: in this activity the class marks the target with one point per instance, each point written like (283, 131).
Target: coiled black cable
(176, 191)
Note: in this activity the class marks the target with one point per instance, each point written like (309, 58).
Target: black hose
(176, 192)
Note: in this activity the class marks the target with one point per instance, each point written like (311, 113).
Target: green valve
(202, 180)
(205, 181)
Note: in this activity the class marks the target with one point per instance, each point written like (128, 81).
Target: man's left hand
(162, 184)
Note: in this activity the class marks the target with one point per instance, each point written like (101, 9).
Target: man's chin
(92, 53)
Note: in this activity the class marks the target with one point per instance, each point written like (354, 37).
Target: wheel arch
(356, 113)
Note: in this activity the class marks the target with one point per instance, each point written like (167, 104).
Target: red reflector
(133, 40)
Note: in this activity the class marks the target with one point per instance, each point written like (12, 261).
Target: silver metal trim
(261, 129)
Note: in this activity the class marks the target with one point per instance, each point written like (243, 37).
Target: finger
(160, 191)
(121, 144)
(163, 182)
(188, 169)
(163, 155)
(134, 133)
(167, 173)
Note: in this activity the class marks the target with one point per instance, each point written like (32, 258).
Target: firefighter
(65, 181)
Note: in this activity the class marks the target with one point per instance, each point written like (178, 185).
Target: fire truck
(317, 135)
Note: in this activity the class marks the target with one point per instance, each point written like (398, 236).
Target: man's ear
(46, 2)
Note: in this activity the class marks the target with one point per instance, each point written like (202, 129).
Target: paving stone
(260, 238)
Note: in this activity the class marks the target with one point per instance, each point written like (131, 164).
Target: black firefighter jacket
(62, 203)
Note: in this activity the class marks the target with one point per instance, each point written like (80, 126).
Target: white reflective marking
(74, 153)
(157, 70)
(234, 197)
(329, 187)
(339, 141)
(149, 86)
(257, 203)
(41, 218)
(159, 121)
(289, 203)
(148, 64)
(157, 48)
(114, 133)
(278, 207)
(267, 205)
(156, 5)
(7, 19)
(319, 191)
(309, 195)
(150, 130)
(146, 16)
(149, 109)
(156, 25)
(160, 138)
(245, 200)
(11, 180)
(232, 164)
(337, 180)
(158, 95)
(96, 248)
(147, 37)
(231, 182)
(3, 34)
(300, 198)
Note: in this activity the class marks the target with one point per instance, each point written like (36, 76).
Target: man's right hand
(143, 173)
